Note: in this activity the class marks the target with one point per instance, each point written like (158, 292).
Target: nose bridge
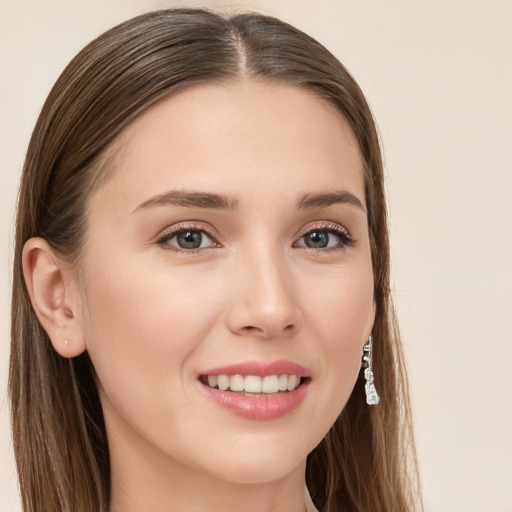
(265, 303)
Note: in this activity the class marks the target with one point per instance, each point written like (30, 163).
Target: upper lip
(261, 368)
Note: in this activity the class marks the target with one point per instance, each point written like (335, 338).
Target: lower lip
(265, 407)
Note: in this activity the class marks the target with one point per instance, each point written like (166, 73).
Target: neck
(139, 487)
(143, 478)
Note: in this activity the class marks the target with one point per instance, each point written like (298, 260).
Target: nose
(264, 303)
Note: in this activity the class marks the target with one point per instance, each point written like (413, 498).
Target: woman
(201, 266)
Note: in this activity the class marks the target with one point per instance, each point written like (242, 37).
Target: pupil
(317, 239)
(189, 239)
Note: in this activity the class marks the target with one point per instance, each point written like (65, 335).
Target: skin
(153, 318)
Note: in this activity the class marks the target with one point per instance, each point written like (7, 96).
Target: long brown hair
(364, 463)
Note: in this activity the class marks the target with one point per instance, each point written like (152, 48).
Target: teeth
(223, 382)
(270, 384)
(254, 383)
(292, 382)
(236, 383)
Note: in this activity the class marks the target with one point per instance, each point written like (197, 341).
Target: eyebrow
(222, 202)
(323, 200)
(190, 199)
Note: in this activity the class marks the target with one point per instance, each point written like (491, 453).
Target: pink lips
(264, 407)
(261, 368)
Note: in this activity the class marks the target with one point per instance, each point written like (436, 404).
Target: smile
(257, 390)
(254, 384)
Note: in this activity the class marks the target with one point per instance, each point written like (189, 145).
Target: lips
(257, 390)
(261, 368)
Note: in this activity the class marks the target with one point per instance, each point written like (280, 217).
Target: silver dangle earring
(372, 398)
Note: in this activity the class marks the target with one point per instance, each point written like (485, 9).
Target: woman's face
(230, 241)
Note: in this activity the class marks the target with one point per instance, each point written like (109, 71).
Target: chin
(256, 472)
(260, 461)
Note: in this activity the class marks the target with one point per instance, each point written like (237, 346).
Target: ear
(54, 297)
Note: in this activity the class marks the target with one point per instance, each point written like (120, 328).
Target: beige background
(439, 77)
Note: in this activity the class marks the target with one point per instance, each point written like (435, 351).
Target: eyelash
(330, 227)
(169, 235)
(345, 239)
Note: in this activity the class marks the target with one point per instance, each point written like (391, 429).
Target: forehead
(235, 138)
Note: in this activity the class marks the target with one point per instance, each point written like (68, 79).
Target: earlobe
(54, 302)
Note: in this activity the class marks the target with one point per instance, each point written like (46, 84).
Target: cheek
(342, 308)
(149, 305)
(340, 315)
(142, 327)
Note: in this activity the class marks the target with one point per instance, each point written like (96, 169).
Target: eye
(326, 237)
(186, 239)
